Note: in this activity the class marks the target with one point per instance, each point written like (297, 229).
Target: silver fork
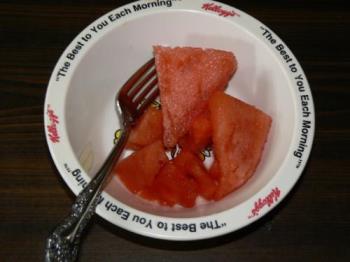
(135, 95)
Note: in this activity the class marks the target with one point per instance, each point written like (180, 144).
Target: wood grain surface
(311, 224)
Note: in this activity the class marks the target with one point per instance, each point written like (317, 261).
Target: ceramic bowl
(81, 122)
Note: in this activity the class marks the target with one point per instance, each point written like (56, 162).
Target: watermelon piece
(148, 129)
(173, 186)
(149, 193)
(214, 170)
(138, 170)
(187, 78)
(194, 167)
(199, 135)
(239, 135)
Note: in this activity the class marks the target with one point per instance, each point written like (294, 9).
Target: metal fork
(135, 95)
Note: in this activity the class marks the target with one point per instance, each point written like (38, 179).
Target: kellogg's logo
(52, 127)
(218, 9)
(267, 201)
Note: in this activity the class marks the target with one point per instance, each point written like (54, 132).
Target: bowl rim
(156, 226)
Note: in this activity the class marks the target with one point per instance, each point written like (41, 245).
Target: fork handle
(63, 243)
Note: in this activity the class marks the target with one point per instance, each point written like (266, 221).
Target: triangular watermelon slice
(173, 186)
(239, 135)
(194, 167)
(199, 135)
(187, 78)
(138, 170)
(148, 129)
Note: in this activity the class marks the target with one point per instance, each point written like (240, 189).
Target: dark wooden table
(311, 224)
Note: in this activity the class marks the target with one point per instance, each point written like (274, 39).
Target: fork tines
(141, 89)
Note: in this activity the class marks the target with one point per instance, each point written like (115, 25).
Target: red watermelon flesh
(199, 135)
(173, 186)
(214, 170)
(138, 170)
(148, 129)
(187, 78)
(149, 193)
(239, 135)
(194, 167)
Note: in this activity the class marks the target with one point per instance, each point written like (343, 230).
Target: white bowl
(80, 119)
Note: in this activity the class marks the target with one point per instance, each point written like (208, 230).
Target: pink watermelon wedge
(147, 130)
(138, 170)
(239, 135)
(199, 134)
(187, 78)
